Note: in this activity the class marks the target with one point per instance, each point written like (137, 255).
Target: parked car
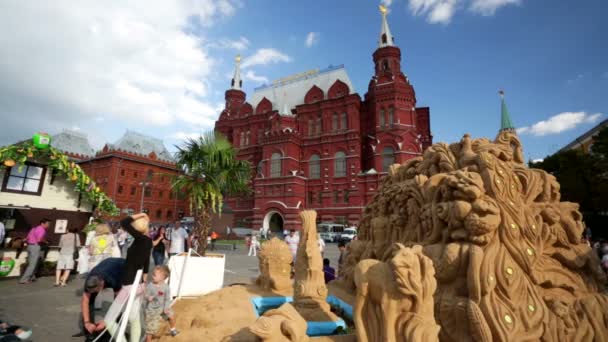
(348, 234)
(330, 231)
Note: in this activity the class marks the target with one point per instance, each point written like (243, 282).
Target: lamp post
(143, 190)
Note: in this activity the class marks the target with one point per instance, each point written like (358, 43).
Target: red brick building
(135, 172)
(317, 145)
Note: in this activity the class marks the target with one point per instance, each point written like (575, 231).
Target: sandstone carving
(352, 255)
(281, 325)
(310, 292)
(508, 257)
(275, 266)
(395, 298)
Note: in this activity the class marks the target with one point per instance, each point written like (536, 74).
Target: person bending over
(107, 274)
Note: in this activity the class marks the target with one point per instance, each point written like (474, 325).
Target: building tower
(235, 97)
(505, 118)
(393, 124)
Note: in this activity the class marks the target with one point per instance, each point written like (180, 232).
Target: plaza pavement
(52, 312)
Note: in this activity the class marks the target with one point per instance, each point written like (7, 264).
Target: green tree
(583, 179)
(210, 171)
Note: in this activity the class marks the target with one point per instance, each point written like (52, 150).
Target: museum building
(315, 144)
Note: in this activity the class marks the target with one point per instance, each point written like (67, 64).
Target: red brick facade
(329, 152)
(120, 175)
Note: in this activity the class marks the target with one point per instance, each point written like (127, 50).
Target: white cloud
(537, 160)
(312, 38)
(489, 7)
(240, 44)
(386, 3)
(126, 62)
(559, 123)
(442, 11)
(180, 135)
(251, 76)
(436, 11)
(576, 79)
(265, 56)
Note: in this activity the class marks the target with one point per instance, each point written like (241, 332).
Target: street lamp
(143, 190)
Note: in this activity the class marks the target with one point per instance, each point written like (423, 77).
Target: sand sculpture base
(224, 316)
(310, 292)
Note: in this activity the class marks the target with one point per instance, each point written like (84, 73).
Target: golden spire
(383, 9)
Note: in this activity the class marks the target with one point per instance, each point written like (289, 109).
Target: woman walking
(158, 251)
(68, 244)
(321, 244)
(253, 245)
(101, 246)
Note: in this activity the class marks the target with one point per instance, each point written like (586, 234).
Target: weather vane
(383, 9)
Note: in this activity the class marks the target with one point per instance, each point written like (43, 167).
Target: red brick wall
(115, 171)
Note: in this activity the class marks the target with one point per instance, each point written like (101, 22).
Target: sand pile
(222, 316)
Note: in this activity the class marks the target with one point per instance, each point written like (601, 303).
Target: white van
(349, 234)
(330, 231)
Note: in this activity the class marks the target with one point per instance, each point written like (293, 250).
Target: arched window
(391, 116)
(247, 138)
(260, 170)
(159, 214)
(381, 118)
(314, 167)
(319, 125)
(334, 122)
(242, 139)
(388, 158)
(311, 127)
(169, 214)
(149, 175)
(275, 165)
(340, 164)
(344, 121)
(383, 40)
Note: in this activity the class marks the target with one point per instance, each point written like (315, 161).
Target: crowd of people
(153, 295)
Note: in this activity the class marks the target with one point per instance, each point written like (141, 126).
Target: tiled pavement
(52, 312)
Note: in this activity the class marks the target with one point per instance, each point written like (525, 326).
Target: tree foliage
(583, 179)
(210, 171)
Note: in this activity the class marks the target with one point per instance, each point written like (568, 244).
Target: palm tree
(210, 171)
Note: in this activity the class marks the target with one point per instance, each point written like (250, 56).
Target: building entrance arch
(273, 221)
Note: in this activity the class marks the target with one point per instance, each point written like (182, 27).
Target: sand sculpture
(508, 259)
(310, 292)
(288, 322)
(395, 298)
(275, 266)
(281, 325)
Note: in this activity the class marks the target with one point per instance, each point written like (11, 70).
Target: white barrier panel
(202, 275)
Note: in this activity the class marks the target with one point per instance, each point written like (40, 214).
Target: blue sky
(162, 69)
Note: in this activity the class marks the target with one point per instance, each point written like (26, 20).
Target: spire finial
(386, 38)
(236, 79)
(505, 118)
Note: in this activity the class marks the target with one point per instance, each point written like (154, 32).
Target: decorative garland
(56, 160)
